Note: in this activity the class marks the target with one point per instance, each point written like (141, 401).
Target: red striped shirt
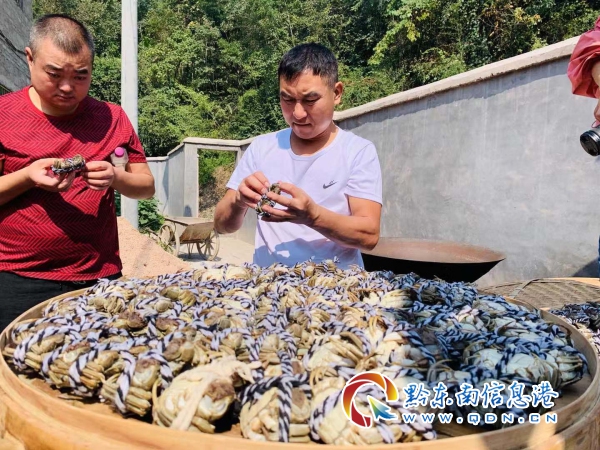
(70, 235)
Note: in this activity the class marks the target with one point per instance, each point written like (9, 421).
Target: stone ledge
(217, 142)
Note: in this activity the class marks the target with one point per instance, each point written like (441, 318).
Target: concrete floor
(231, 251)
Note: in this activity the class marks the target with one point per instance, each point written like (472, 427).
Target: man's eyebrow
(310, 94)
(83, 71)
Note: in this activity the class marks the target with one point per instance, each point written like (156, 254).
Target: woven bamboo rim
(547, 293)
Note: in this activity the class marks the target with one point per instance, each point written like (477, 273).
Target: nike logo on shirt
(331, 183)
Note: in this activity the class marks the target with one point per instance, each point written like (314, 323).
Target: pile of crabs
(585, 317)
(272, 348)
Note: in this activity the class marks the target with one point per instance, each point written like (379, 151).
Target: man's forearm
(350, 231)
(137, 186)
(13, 185)
(229, 216)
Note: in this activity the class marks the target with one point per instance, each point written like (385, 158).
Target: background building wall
(15, 22)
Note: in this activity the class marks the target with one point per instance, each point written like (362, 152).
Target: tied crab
(81, 367)
(200, 396)
(342, 346)
(514, 360)
(266, 201)
(68, 165)
(277, 408)
(133, 389)
(401, 346)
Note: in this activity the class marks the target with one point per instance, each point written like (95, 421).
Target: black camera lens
(590, 141)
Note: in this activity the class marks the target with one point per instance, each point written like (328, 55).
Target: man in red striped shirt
(59, 232)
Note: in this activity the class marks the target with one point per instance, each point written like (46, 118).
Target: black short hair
(66, 33)
(310, 56)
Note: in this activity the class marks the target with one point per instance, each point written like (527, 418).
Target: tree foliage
(208, 67)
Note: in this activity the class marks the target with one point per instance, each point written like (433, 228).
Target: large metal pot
(450, 261)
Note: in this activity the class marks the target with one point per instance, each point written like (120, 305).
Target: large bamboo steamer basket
(33, 417)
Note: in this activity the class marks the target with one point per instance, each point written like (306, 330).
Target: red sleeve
(583, 58)
(135, 150)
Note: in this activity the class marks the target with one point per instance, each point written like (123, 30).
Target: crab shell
(399, 298)
(176, 293)
(145, 379)
(213, 405)
(259, 419)
(200, 395)
(237, 273)
(111, 305)
(390, 353)
(570, 368)
(343, 350)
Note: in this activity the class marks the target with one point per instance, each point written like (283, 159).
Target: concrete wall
(15, 23)
(159, 167)
(176, 175)
(490, 157)
(176, 181)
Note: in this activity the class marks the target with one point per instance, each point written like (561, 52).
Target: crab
(34, 344)
(200, 396)
(68, 165)
(512, 361)
(110, 304)
(266, 201)
(179, 352)
(176, 293)
(132, 390)
(344, 347)
(82, 367)
(402, 346)
(398, 298)
(277, 409)
(132, 321)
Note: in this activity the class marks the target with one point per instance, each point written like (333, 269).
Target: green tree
(208, 67)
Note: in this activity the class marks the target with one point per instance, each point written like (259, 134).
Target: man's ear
(29, 55)
(338, 90)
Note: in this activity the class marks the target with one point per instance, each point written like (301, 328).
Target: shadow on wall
(590, 270)
(165, 183)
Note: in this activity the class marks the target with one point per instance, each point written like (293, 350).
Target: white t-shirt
(349, 166)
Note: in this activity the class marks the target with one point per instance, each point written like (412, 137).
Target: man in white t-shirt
(330, 205)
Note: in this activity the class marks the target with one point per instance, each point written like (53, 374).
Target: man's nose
(299, 111)
(65, 86)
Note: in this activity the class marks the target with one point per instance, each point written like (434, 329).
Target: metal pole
(129, 86)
